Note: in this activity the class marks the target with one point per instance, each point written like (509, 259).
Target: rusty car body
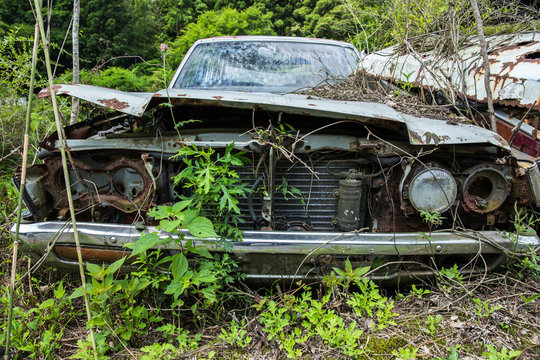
(366, 172)
(514, 61)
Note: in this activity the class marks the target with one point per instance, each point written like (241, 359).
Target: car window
(270, 66)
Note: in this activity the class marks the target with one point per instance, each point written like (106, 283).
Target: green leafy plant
(36, 332)
(451, 275)
(291, 191)
(172, 220)
(236, 335)
(182, 336)
(300, 318)
(113, 302)
(407, 353)
(368, 301)
(157, 351)
(86, 352)
(524, 219)
(348, 275)
(215, 186)
(484, 309)
(418, 292)
(433, 323)
(491, 353)
(432, 218)
(454, 355)
(406, 84)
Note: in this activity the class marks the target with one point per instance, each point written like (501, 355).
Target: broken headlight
(433, 189)
(485, 189)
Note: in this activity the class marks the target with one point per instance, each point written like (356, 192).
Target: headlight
(433, 189)
(485, 190)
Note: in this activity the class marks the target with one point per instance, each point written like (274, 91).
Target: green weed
(484, 309)
(433, 323)
(235, 335)
(491, 353)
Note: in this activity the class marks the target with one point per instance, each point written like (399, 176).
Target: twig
(65, 168)
(516, 129)
(21, 193)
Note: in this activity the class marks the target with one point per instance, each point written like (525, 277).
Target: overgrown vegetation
(198, 308)
(192, 304)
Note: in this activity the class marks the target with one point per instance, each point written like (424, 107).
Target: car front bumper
(272, 255)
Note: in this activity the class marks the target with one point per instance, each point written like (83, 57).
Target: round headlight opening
(433, 189)
(485, 190)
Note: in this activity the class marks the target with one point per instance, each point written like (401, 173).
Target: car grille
(319, 204)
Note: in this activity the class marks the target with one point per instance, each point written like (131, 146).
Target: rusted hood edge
(132, 103)
(422, 131)
(425, 131)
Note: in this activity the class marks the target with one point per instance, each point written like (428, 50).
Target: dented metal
(514, 67)
(126, 102)
(422, 131)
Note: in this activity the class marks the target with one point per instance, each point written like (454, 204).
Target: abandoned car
(324, 180)
(515, 80)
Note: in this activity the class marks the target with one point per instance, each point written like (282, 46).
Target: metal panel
(365, 112)
(127, 102)
(514, 66)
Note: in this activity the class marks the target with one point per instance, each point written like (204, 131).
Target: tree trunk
(487, 74)
(76, 70)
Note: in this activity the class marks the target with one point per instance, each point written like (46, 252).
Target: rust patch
(92, 254)
(417, 138)
(47, 91)
(182, 95)
(113, 103)
(217, 97)
(472, 69)
(500, 139)
(508, 65)
(523, 44)
(532, 56)
(312, 104)
(115, 199)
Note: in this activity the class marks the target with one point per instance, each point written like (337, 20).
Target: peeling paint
(113, 103)
(47, 91)
(416, 138)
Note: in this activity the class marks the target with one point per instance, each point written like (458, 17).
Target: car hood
(421, 131)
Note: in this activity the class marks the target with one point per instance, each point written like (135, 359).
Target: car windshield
(266, 66)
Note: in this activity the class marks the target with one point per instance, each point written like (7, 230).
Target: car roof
(273, 38)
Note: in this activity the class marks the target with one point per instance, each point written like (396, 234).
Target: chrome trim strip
(37, 236)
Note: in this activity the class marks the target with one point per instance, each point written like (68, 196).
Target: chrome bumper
(284, 255)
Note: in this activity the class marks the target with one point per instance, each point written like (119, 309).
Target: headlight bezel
(439, 179)
(499, 183)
